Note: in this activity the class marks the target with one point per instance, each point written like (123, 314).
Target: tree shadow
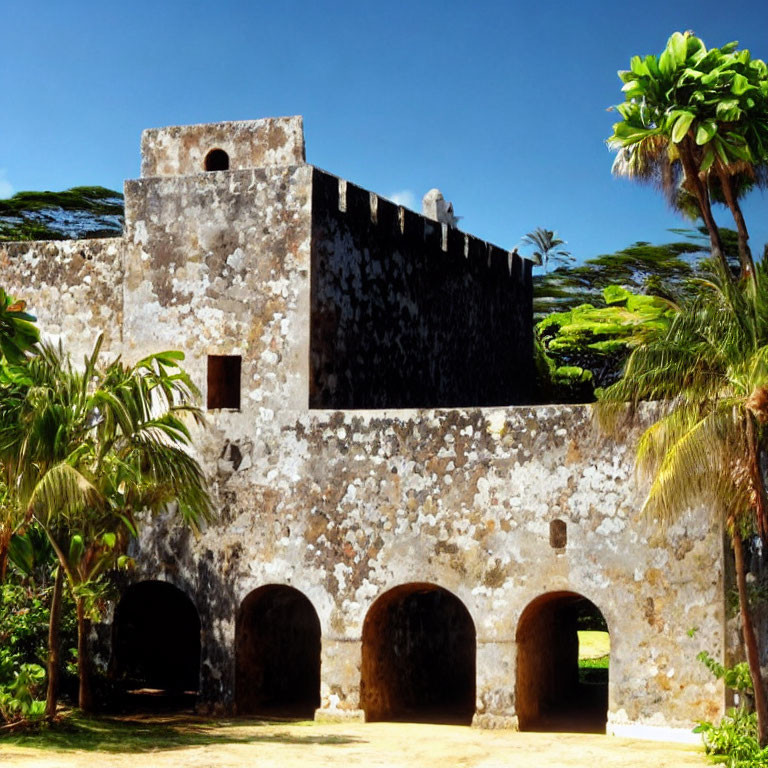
(151, 734)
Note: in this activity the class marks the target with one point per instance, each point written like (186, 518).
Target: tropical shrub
(734, 741)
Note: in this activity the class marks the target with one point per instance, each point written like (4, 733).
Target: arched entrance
(418, 657)
(277, 654)
(559, 687)
(156, 646)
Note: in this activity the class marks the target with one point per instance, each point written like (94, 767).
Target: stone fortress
(400, 534)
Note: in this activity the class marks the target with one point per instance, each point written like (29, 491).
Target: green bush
(24, 615)
(733, 742)
(19, 698)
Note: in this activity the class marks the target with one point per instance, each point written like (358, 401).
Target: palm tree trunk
(760, 501)
(702, 198)
(745, 253)
(53, 646)
(85, 693)
(750, 641)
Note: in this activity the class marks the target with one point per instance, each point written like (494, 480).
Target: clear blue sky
(500, 104)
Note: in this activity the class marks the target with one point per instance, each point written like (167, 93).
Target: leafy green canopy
(80, 212)
(588, 345)
(717, 95)
(695, 123)
(641, 268)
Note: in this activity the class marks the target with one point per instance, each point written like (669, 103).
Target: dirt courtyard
(241, 744)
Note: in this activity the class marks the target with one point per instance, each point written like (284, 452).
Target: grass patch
(124, 734)
(594, 657)
(593, 644)
(599, 663)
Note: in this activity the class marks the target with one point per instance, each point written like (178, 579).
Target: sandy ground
(394, 745)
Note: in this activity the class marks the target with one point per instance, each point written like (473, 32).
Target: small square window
(558, 534)
(223, 381)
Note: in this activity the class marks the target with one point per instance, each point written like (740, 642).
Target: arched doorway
(418, 657)
(156, 647)
(562, 665)
(277, 654)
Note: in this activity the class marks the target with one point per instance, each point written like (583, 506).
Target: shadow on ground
(150, 734)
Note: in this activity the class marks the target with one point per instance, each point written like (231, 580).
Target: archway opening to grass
(278, 654)
(563, 651)
(418, 661)
(156, 647)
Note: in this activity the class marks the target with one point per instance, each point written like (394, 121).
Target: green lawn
(594, 650)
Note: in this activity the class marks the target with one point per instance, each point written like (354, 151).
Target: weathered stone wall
(219, 264)
(407, 312)
(74, 287)
(345, 506)
(181, 150)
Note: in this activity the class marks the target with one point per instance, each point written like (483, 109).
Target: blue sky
(502, 105)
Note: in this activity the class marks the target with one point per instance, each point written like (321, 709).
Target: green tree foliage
(734, 742)
(547, 247)
(25, 604)
(588, 345)
(663, 270)
(709, 370)
(694, 119)
(77, 213)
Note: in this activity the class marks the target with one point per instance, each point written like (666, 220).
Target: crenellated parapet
(407, 311)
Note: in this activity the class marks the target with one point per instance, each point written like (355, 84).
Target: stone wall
(74, 287)
(407, 312)
(346, 506)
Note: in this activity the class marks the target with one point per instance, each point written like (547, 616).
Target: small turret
(434, 206)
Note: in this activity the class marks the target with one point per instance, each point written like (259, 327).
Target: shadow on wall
(418, 661)
(549, 695)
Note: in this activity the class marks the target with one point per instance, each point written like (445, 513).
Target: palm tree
(547, 247)
(93, 448)
(697, 121)
(709, 371)
(18, 336)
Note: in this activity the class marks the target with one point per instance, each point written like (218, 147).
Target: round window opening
(217, 160)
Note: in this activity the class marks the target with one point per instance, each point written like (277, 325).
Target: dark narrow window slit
(224, 381)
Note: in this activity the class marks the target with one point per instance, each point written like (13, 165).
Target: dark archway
(278, 654)
(217, 160)
(156, 646)
(418, 660)
(552, 692)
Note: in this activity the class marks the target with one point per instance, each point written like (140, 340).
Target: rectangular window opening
(224, 381)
